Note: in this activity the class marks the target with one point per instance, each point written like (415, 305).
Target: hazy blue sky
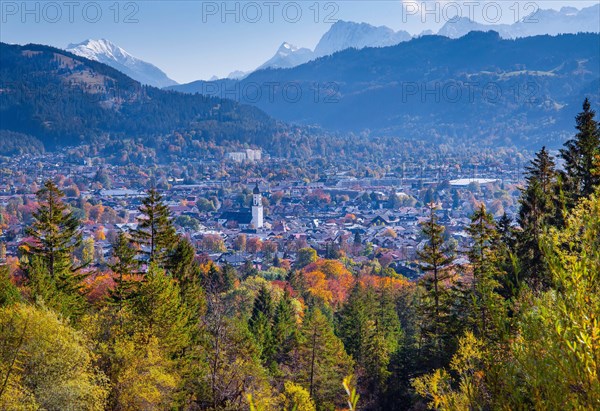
(191, 40)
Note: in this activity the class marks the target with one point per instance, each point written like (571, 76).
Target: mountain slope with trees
(479, 87)
(61, 99)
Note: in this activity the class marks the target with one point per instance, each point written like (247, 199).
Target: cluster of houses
(363, 217)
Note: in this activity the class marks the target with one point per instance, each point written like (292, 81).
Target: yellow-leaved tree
(46, 364)
(295, 398)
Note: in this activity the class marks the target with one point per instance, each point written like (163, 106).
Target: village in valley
(247, 221)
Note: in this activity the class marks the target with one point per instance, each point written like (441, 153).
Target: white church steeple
(257, 208)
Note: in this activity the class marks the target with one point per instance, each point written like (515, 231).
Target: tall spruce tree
(368, 325)
(159, 311)
(323, 362)
(155, 233)
(580, 154)
(186, 270)
(56, 234)
(124, 266)
(506, 231)
(487, 304)
(352, 320)
(434, 258)
(538, 203)
(219, 280)
(506, 242)
(183, 265)
(261, 324)
(285, 333)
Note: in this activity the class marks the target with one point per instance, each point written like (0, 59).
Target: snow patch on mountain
(110, 54)
(288, 56)
(346, 34)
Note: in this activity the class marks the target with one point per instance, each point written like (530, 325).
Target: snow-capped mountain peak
(95, 49)
(348, 34)
(287, 47)
(106, 52)
(287, 56)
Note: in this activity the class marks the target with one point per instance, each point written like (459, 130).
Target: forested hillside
(478, 88)
(62, 99)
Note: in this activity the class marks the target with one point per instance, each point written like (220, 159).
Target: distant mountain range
(496, 88)
(566, 20)
(343, 35)
(114, 56)
(479, 86)
(60, 99)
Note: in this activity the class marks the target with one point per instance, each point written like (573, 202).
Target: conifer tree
(368, 325)
(285, 335)
(124, 266)
(229, 276)
(352, 322)
(160, 312)
(387, 319)
(183, 265)
(505, 245)
(581, 156)
(537, 211)
(484, 236)
(434, 258)
(261, 324)
(219, 280)
(323, 362)
(506, 232)
(155, 232)
(186, 270)
(56, 234)
(487, 304)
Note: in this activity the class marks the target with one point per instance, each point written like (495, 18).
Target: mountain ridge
(64, 99)
(104, 51)
(406, 89)
(347, 34)
(540, 22)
